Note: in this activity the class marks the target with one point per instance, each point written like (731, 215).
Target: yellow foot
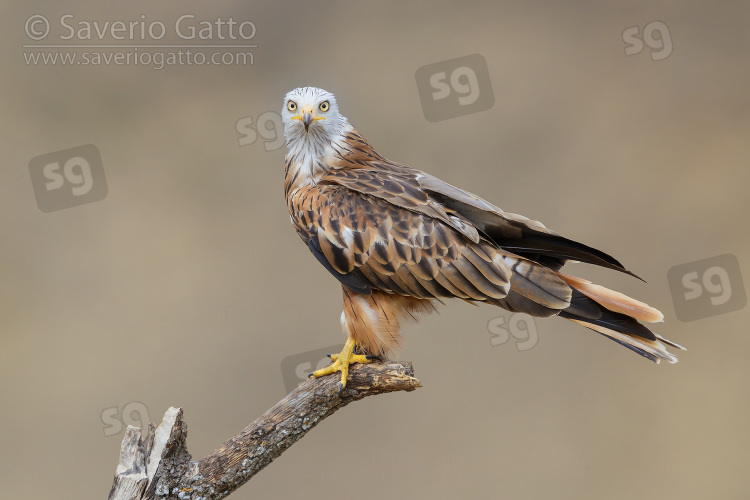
(342, 361)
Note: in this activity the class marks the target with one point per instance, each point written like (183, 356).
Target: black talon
(340, 387)
(372, 356)
(329, 355)
(309, 374)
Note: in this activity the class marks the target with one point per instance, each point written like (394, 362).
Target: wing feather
(538, 283)
(400, 190)
(362, 169)
(369, 243)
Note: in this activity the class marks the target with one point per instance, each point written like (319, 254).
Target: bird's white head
(311, 118)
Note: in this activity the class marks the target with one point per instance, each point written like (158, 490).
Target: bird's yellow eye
(291, 106)
(324, 106)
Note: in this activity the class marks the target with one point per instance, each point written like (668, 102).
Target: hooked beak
(307, 116)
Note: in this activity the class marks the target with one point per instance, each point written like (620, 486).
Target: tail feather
(651, 349)
(614, 301)
(596, 314)
(669, 342)
(615, 315)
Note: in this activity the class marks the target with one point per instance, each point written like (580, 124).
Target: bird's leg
(342, 361)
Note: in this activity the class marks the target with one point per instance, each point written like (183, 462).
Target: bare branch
(160, 467)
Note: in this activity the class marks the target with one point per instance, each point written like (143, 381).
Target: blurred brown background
(186, 286)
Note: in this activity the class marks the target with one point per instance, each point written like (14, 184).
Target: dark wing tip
(533, 242)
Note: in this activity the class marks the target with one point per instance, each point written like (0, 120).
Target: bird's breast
(304, 210)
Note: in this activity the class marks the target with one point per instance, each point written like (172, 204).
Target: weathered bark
(160, 467)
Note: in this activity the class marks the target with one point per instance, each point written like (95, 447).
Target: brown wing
(368, 243)
(362, 169)
(400, 189)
